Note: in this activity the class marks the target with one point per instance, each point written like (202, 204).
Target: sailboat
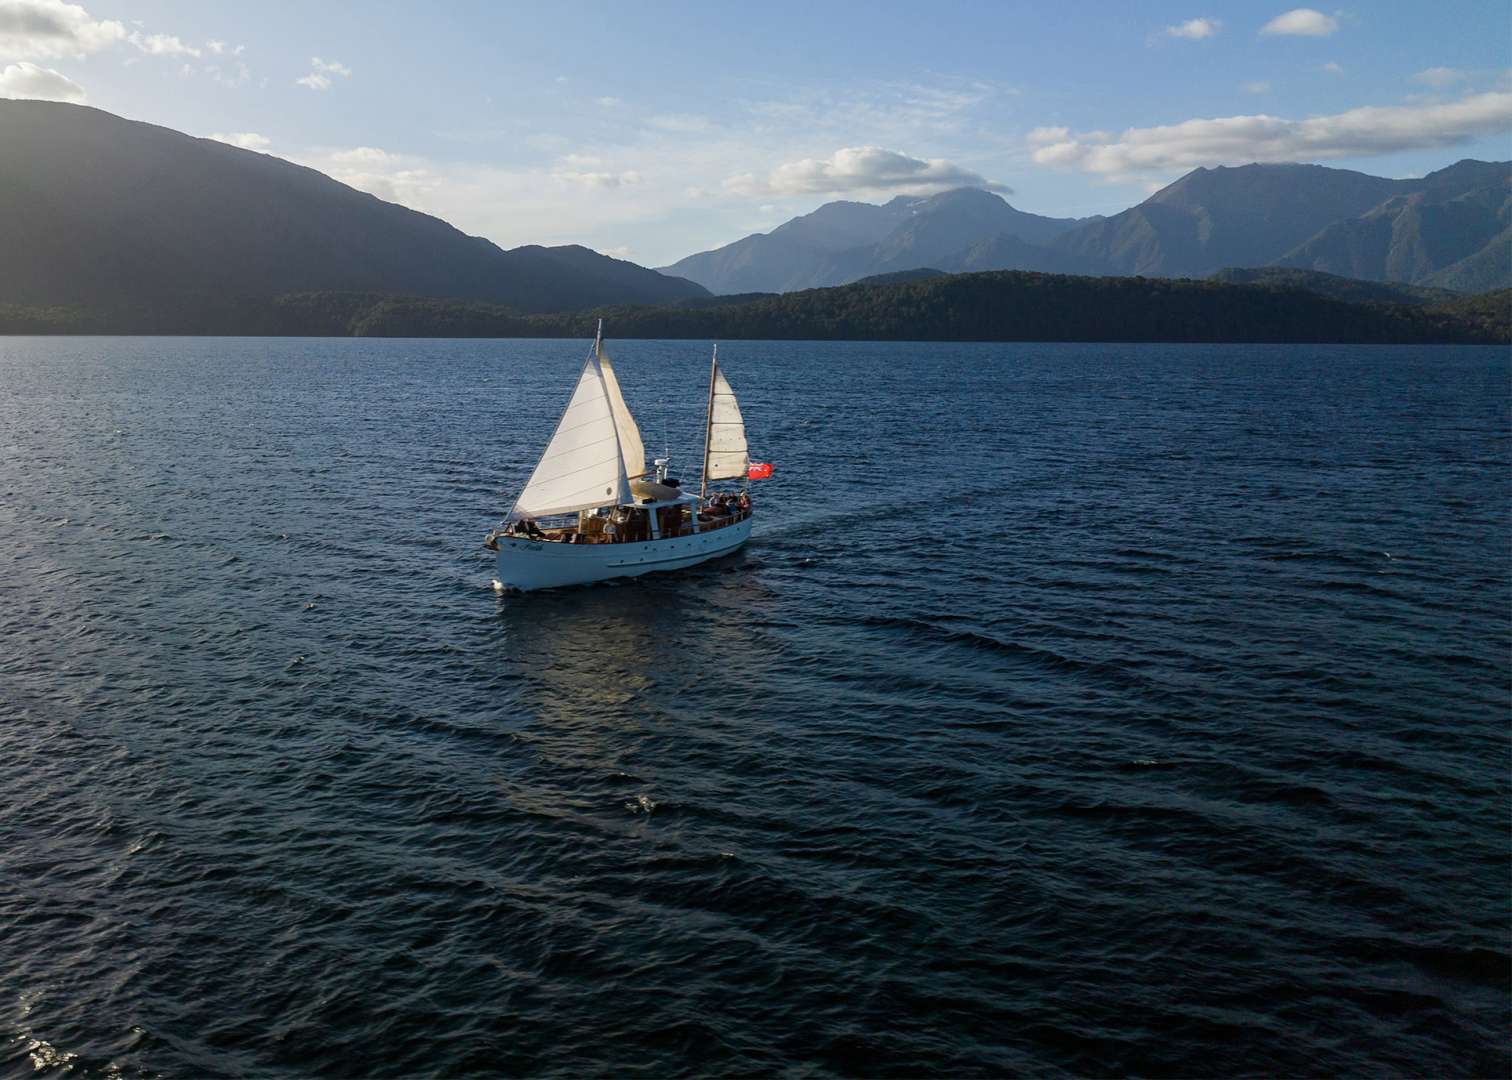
(591, 511)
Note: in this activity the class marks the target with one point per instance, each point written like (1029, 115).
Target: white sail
(726, 456)
(583, 465)
(629, 435)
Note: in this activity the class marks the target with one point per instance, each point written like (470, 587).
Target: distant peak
(967, 193)
(1465, 165)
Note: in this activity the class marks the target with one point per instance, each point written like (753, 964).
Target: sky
(650, 131)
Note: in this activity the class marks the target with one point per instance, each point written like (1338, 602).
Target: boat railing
(708, 522)
(595, 530)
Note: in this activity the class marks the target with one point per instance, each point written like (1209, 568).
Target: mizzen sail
(725, 455)
(583, 466)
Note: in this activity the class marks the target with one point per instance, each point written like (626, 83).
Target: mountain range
(125, 223)
(845, 241)
(102, 211)
(1451, 229)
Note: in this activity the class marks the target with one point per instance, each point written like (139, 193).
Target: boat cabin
(635, 523)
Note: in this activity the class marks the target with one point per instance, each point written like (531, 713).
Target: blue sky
(655, 130)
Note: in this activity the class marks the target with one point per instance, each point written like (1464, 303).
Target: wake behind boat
(592, 511)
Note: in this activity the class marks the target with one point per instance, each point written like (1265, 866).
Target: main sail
(725, 456)
(584, 465)
(631, 448)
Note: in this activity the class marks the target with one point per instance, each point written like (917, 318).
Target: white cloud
(1195, 29)
(320, 74)
(1302, 22)
(364, 155)
(529, 202)
(1333, 68)
(599, 179)
(685, 122)
(47, 28)
(247, 140)
(27, 80)
(1260, 86)
(43, 29)
(895, 113)
(1046, 136)
(55, 28)
(398, 178)
(621, 252)
(408, 187)
(161, 44)
(1238, 140)
(860, 168)
(237, 74)
(608, 102)
(1439, 76)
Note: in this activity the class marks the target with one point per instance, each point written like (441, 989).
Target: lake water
(1074, 709)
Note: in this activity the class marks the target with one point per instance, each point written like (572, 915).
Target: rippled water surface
(1074, 709)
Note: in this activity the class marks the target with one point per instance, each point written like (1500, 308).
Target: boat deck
(593, 530)
(672, 522)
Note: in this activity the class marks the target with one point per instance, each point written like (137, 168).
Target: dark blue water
(1075, 709)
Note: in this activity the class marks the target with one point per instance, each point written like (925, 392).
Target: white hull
(526, 565)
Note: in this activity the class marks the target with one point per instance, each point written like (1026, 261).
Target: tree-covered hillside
(994, 306)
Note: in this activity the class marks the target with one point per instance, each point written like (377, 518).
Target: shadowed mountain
(1489, 268)
(1452, 222)
(1447, 229)
(845, 241)
(939, 230)
(787, 257)
(1003, 252)
(1214, 218)
(1313, 218)
(100, 210)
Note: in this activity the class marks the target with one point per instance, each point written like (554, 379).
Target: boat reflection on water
(612, 677)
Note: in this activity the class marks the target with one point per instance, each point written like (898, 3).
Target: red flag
(759, 470)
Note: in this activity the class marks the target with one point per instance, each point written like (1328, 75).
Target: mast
(703, 488)
(619, 447)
